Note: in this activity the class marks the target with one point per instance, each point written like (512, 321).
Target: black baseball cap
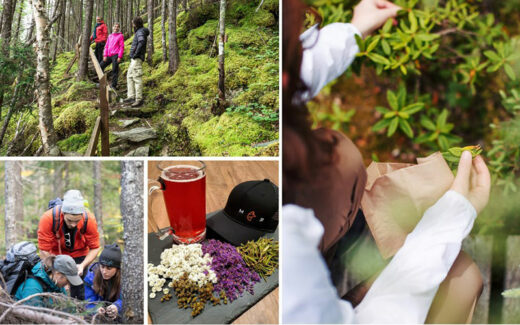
(251, 211)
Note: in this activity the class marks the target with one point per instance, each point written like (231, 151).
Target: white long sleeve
(327, 53)
(402, 293)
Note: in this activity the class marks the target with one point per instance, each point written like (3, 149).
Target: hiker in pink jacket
(114, 53)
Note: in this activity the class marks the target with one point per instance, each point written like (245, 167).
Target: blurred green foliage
(458, 62)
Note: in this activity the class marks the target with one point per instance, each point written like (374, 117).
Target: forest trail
(192, 110)
(177, 116)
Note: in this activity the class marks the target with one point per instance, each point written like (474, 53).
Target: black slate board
(168, 313)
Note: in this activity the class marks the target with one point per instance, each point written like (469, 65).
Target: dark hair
(138, 22)
(101, 286)
(303, 152)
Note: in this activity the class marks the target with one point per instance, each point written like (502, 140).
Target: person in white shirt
(323, 181)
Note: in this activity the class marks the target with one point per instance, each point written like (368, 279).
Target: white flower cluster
(175, 262)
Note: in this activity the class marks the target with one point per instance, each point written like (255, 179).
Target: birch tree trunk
(174, 59)
(42, 80)
(13, 202)
(98, 201)
(150, 37)
(163, 30)
(132, 179)
(85, 42)
(221, 55)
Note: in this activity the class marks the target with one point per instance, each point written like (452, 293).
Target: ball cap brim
(230, 230)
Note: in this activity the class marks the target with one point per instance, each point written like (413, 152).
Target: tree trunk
(85, 42)
(129, 18)
(67, 26)
(118, 11)
(20, 14)
(150, 37)
(98, 203)
(13, 202)
(57, 184)
(57, 29)
(163, 30)
(61, 31)
(109, 14)
(185, 5)
(221, 56)
(43, 94)
(12, 106)
(7, 22)
(132, 213)
(174, 59)
(30, 32)
(79, 27)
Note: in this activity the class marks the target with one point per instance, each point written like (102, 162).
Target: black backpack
(17, 265)
(55, 205)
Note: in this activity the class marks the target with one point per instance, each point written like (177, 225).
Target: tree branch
(49, 25)
(30, 315)
(260, 5)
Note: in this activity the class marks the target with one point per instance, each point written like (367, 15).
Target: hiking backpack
(55, 205)
(17, 266)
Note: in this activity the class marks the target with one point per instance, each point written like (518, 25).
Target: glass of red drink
(184, 191)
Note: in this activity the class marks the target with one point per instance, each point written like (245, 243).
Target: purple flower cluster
(232, 272)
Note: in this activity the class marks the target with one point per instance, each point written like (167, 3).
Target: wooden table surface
(221, 177)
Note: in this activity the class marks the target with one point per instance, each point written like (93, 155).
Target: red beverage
(185, 198)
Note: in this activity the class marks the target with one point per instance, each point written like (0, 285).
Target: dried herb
(190, 295)
(234, 277)
(261, 256)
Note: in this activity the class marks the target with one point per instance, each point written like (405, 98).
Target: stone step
(128, 122)
(136, 135)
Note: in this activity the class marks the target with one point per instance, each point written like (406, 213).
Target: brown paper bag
(397, 195)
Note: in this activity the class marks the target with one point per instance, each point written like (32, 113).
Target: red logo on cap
(251, 215)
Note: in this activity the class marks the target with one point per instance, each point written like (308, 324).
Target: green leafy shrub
(448, 53)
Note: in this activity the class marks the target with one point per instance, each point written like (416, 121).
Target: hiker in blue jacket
(51, 275)
(103, 282)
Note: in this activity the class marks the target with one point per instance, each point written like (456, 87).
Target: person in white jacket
(323, 176)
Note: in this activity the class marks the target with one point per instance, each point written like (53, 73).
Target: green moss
(76, 118)
(271, 6)
(244, 37)
(77, 90)
(58, 69)
(230, 134)
(75, 143)
(201, 39)
(262, 18)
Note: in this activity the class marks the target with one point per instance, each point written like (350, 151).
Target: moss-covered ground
(179, 107)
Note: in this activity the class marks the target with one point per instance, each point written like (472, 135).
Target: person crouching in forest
(103, 282)
(135, 71)
(113, 53)
(50, 275)
(100, 37)
(70, 229)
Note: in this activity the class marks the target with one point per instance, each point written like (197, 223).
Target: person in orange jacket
(99, 36)
(70, 229)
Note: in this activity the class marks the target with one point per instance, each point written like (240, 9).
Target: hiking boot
(138, 103)
(129, 100)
